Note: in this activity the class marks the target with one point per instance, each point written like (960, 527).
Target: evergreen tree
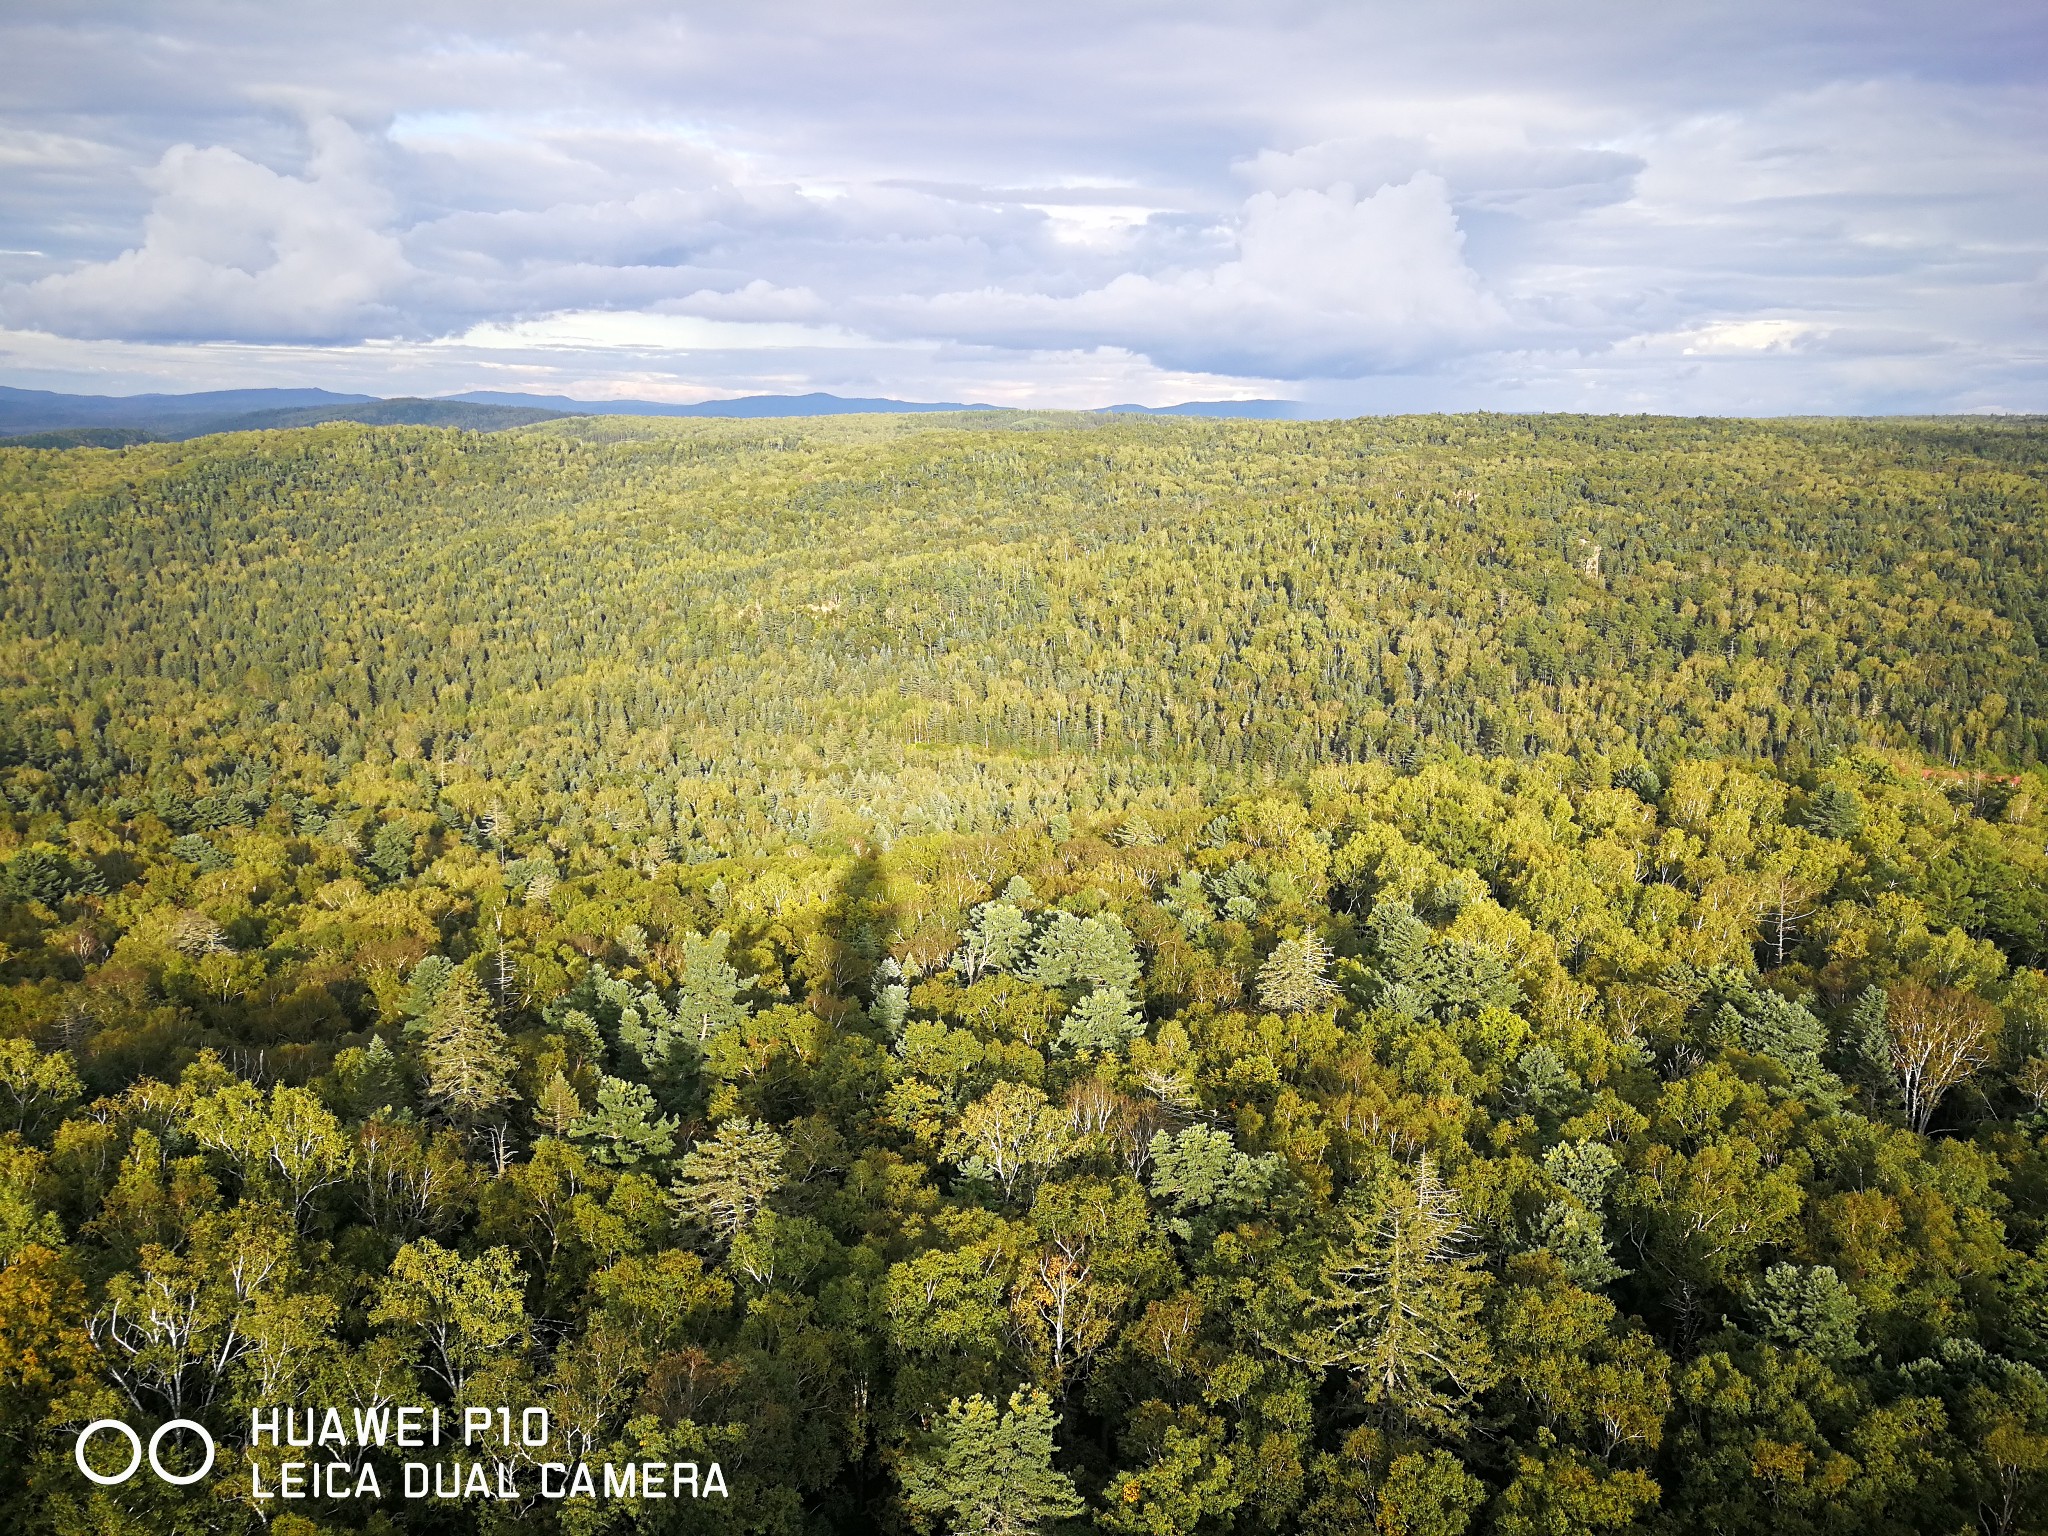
(1295, 978)
(1399, 1302)
(625, 1130)
(1835, 811)
(1105, 1020)
(1809, 1307)
(559, 1107)
(467, 1058)
(721, 1184)
(996, 940)
(1076, 950)
(990, 1474)
(423, 990)
(708, 988)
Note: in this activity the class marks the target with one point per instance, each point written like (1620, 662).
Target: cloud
(1322, 283)
(233, 250)
(1742, 206)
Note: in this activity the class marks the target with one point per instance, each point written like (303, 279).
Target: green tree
(462, 1313)
(1075, 950)
(1295, 978)
(1808, 1307)
(624, 1130)
(708, 988)
(723, 1183)
(1398, 1305)
(995, 941)
(989, 1473)
(468, 1060)
(1105, 1020)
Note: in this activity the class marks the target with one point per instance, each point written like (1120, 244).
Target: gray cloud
(1740, 206)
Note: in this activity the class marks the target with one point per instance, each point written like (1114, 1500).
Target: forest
(1036, 973)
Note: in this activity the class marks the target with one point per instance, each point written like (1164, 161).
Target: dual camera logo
(175, 1479)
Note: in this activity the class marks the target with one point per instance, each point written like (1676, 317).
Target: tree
(986, 1474)
(559, 1106)
(1398, 1307)
(173, 1332)
(1296, 976)
(1939, 1037)
(44, 1348)
(721, 1184)
(624, 1130)
(708, 988)
(1809, 1308)
(995, 941)
(1073, 950)
(36, 1087)
(1105, 1020)
(466, 1312)
(469, 1062)
(1008, 1134)
(289, 1137)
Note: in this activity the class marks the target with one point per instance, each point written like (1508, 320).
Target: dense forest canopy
(1438, 975)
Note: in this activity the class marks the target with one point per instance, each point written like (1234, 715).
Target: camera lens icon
(136, 1453)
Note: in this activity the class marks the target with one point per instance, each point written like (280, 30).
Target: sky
(1713, 208)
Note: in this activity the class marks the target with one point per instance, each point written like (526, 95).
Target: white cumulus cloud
(1322, 282)
(232, 249)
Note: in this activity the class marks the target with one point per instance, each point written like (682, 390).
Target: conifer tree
(708, 990)
(625, 1130)
(987, 1474)
(722, 1183)
(1104, 1020)
(559, 1107)
(1296, 976)
(467, 1057)
(1074, 950)
(995, 941)
(1399, 1303)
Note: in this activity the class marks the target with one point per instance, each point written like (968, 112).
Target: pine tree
(1105, 1020)
(558, 1107)
(1399, 1304)
(468, 1060)
(1296, 976)
(995, 941)
(708, 990)
(723, 1183)
(1074, 950)
(423, 990)
(624, 1130)
(990, 1475)
(1863, 1049)
(1809, 1308)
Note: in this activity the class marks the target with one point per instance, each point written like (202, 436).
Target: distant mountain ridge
(43, 410)
(814, 404)
(46, 419)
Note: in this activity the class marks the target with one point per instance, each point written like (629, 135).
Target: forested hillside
(1036, 973)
